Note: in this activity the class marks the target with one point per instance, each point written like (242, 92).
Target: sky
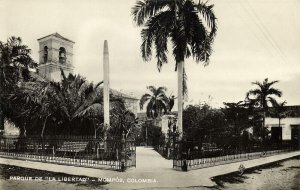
(255, 40)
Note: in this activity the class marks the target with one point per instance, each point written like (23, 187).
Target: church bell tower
(55, 53)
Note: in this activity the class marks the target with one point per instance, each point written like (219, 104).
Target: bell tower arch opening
(45, 54)
(62, 55)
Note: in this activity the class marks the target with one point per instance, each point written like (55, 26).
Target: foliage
(202, 123)
(225, 127)
(70, 107)
(279, 109)
(262, 95)
(237, 116)
(157, 102)
(180, 22)
(15, 62)
(59, 106)
(123, 122)
(188, 26)
(154, 138)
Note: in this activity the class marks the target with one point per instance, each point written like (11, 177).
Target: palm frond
(255, 92)
(152, 89)
(91, 111)
(161, 90)
(273, 91)
(98, 84)
(149, 109)
(147, 8)
(156, 31)
(209, 16)
(144, 99)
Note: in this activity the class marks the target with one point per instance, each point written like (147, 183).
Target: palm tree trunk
(1, 118)
(264, 125)
(95, 129)
(180, 67)
(280, 138)
(44, 126)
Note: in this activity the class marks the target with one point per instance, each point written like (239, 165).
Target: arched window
(45, 54)
(62, 55)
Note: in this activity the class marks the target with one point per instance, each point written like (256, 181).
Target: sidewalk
(152, 171)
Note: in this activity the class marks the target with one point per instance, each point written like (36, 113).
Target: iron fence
(191, 155)
(86, 151)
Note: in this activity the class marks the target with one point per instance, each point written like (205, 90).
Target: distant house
(142, 116)
(10, 129)
(131, 103)
(163, 122)
(289, 129)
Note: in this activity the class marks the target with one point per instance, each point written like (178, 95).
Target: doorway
(295, 137)
(276, 134)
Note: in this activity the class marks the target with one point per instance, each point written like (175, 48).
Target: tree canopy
(157, 101)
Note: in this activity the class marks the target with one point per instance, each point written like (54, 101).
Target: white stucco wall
(10, 129)
(164, 124)
(285, 123)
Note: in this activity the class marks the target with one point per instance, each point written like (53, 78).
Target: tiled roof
(120, 94)
(292, 111)
(58, 36)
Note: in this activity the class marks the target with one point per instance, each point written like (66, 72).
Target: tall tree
(190, 28)
(237, 116)
(15, 61)
(263, 95)
(279, 110)
(58, 107)
(157, 101)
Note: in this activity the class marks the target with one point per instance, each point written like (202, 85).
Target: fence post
(43, 146)
(123, 159)
(184, 166)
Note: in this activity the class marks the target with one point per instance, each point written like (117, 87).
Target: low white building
(167, 122)
(289, 129)
(287, 125)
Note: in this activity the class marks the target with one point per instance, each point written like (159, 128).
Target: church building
(55, 53)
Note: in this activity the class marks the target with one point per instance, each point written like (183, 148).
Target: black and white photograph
(150, 94)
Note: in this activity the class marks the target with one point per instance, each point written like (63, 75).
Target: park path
(148, 160)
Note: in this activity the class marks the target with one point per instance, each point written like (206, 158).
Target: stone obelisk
(106, 86)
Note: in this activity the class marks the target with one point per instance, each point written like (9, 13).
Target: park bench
(37, 147)
(72, 147)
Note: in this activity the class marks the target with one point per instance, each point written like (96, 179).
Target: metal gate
(130, 153)
(295, 136)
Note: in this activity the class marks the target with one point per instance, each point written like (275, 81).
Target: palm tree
(15, 61)
(237, 115)
(183, 23)
(279, 110)
(60, 105)
(157, 101)
(77, 99)
(264, 94)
